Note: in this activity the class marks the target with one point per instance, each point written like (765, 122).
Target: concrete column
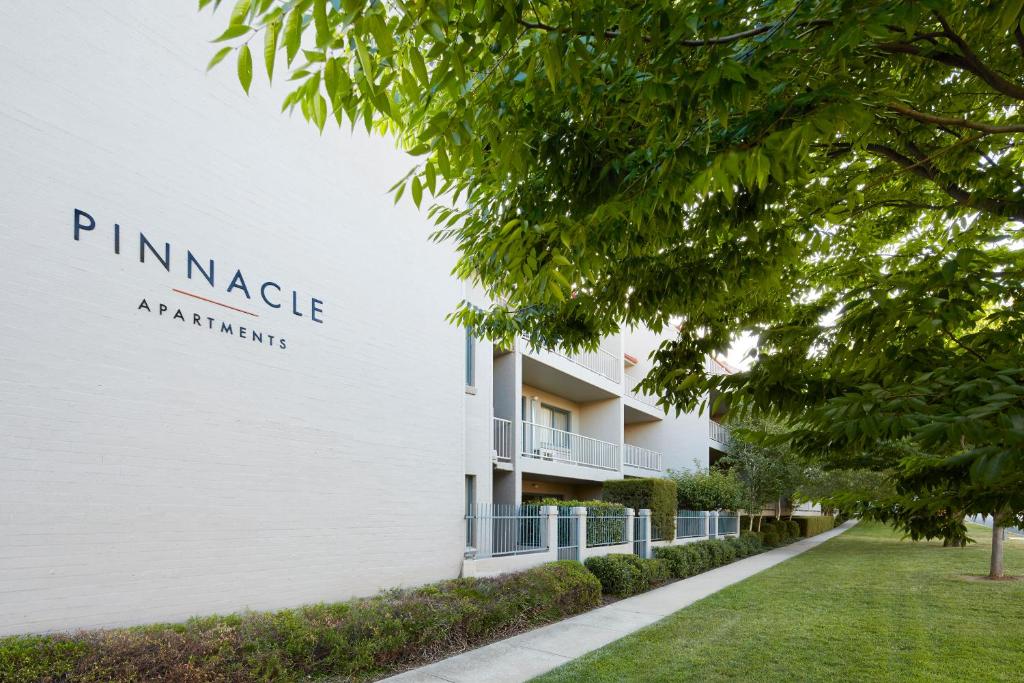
(645, 520)
(579, 516)
(630, 516)
(713, 524)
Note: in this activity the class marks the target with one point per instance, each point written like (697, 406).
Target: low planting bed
(355, 640)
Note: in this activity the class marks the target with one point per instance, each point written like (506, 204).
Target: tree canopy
(842, 178)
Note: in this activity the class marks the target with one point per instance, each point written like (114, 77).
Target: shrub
(811, 526)
(770, 536)
(739, 547)
(712, 489)
(753, 541)
(356, 640)
(682, 560)
(655, 494)
(792, 528)
(624, 574)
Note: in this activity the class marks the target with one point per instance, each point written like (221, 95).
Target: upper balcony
(639, 406)
(581, 377)
(642, 462)
(546, 450)
(718, 434)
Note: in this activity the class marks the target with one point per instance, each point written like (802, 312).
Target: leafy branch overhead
(841, 178)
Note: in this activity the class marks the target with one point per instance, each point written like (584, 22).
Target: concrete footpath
(530, 654)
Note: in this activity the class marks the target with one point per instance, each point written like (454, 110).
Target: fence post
(630, 515)
(645, 520)
(705, 524)
(713, 524)
(579, 514)
(549, 513)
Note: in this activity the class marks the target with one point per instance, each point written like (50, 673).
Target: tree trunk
(996, 566)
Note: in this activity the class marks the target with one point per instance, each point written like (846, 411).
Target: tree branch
(968, 62)
(924, 117)
(705, 42)
(923, 168)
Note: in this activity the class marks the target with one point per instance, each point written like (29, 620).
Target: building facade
(227, 381)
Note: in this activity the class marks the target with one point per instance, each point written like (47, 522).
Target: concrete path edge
(536, 652)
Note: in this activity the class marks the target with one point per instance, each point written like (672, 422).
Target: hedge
(655, 494)
(599, 529)
(623, 575)
(694, 558)
(356, 640)
(811, 526)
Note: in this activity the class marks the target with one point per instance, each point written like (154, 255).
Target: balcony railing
(503, 439)
(546, 443)
(718, 432)
(601, 361)
(631, 387)
(713, 367)
(644, 458)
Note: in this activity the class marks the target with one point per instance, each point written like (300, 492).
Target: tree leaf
(245, 67)
(218, 57)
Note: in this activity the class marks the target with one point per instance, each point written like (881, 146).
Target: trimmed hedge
(356, 640)
(812, 526)
(623, 574)
(694, 558)
(655, 494)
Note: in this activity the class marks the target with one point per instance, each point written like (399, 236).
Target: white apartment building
(226, 379)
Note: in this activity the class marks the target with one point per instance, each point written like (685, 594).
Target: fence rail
(690, 523)
(547, 443)
(495, 530)
(503, 439)
(644, 458)
(728, 522)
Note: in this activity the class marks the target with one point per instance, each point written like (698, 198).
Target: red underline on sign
(216, 303)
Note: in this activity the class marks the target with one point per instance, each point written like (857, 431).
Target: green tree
(761, 458)
(738, 166)
(708, 489)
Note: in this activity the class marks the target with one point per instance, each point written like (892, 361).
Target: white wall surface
(153, 469)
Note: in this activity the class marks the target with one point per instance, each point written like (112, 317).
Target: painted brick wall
(153, 469)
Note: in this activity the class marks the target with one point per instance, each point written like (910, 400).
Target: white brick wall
(153, 470)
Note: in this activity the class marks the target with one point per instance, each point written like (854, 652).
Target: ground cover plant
(865, 606)
(356, 640)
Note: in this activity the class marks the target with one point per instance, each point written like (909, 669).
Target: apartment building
(562, 424)
(226, 378)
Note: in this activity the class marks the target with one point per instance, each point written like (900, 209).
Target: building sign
(210, 291)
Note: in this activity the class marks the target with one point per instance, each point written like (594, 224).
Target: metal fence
(496, 530)
(607, 528)
(568, 535)
(640, 536)
(642, 458)
(728, 522)
(690, 523)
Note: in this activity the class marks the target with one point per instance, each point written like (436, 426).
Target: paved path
(530, 654)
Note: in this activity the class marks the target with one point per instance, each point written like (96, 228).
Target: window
(470, 359)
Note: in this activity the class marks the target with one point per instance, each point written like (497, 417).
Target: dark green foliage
(604, 520)
(356, 640)
(770, 537)
(739, 547)
(753, 540)
(655, 494)
(623, 574)
(811, 526)
(713, 489)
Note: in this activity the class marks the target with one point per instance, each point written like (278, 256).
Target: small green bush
(792, 528)
(812, 526)
(738, 546)
(770, 536)
(753, 541)
(624, 574)
(682, 560)
(357, 640)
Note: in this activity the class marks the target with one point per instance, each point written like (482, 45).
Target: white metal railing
(713, 367)
(631, 388)
(503, 439)
(718, 432)
(644, 458)
(601, 361)
(547, 443)
(494, 530)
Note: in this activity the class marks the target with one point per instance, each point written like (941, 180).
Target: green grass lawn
(864, 606)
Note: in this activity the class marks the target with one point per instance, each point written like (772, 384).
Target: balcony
(641, 458)
(557, 446)
(718, 433)
(631, 388)
(713, 367)
(601, 361)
